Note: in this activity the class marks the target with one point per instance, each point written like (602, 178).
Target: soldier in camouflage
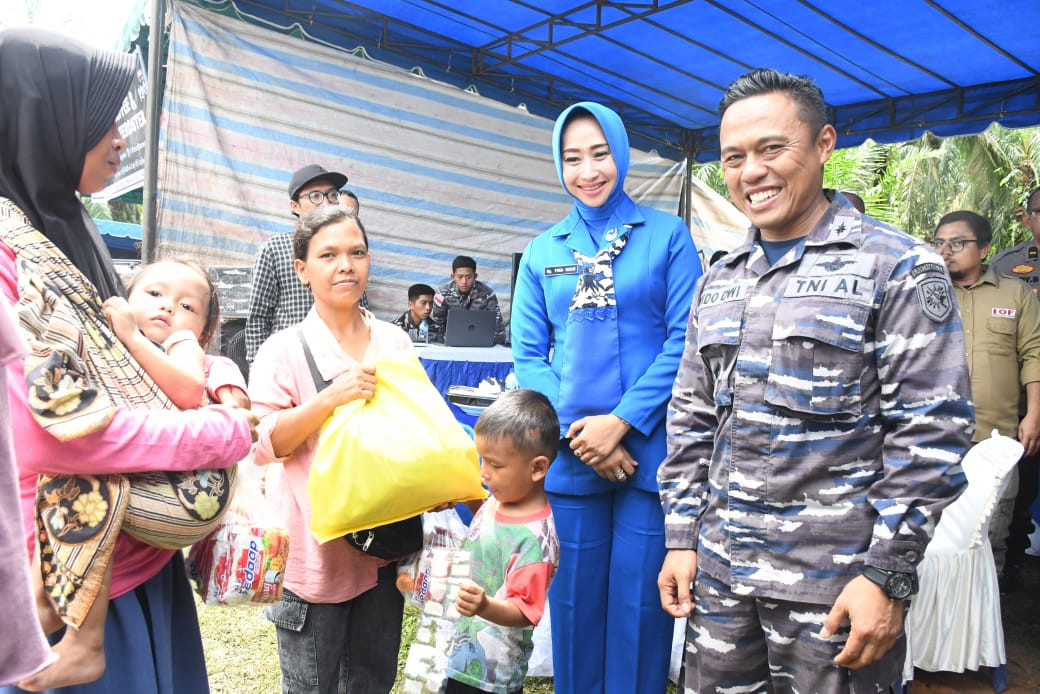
(464, 292)
(817, 421)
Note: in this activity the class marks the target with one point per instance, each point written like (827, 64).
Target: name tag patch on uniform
(852, 288)
(561, 270)
(722, 292)
(1003, 312)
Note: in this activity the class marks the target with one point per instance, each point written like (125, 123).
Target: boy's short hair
(526, 418)
(417, 290)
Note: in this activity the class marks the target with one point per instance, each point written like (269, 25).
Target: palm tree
(912, 184)
(989, 173)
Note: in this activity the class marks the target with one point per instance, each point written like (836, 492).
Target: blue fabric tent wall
(439, 171)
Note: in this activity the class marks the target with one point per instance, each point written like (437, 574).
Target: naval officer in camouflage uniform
(467, 293)
(816, 425)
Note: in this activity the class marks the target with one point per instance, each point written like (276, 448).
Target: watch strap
(897, 585)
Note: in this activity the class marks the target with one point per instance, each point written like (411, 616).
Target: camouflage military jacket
(480, 298)
(820, 411)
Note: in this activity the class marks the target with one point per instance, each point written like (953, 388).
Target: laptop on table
(469, 328)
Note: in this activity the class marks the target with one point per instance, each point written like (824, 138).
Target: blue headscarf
(617, 140)
(590, 367)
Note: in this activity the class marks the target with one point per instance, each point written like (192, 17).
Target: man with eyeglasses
(1001, 320)
(278, 299)
(1022, 261)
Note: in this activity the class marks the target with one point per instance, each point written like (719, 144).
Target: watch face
(899, 586)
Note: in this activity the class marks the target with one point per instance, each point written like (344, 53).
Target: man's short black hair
(803, 90)
(978, 224)
(417, 290)
(463, 261)
(1035, 193)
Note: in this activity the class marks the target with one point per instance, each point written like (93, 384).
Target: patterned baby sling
(78, 373)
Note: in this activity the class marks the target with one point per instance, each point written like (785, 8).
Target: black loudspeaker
(516, 269)
(233, 343)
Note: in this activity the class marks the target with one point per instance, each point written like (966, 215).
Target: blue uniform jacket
(654, 279)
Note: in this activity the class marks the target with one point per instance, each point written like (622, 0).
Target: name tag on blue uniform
(561, 270)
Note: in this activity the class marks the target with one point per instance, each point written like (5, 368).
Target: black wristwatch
(896, 584)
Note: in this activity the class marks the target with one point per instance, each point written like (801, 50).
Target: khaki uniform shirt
(1001, 319)
(1022, 262)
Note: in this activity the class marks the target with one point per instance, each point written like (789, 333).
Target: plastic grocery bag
(243, 560)
(425, 670)
(392, 457)
(442, 530)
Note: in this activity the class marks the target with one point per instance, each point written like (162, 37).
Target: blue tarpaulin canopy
(441, 114)
(890, 69)
(122, 239)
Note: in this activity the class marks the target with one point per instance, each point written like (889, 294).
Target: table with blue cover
(463, 366)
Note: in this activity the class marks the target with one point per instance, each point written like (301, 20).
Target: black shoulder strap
(319, 382)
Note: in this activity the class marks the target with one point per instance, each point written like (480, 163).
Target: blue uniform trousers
(609, 632)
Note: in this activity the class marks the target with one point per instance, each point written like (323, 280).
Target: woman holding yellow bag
(340, 615)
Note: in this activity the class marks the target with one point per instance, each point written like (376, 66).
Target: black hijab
(58, 98)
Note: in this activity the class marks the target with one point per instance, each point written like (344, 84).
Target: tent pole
(153, 104)
(689, 151)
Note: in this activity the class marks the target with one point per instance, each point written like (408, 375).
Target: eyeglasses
(956, 245)
(316, 196)
(1033, 213)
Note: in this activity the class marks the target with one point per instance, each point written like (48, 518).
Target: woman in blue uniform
(599, 320)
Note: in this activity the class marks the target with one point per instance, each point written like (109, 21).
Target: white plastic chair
(954, 621)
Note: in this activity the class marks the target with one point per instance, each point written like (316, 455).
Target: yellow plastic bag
(392, 457)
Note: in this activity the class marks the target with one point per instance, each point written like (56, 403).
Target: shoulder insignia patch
(934, 293)
(923, 268)
(1022, 269)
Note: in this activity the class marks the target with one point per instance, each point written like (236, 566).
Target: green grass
(242, 657)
